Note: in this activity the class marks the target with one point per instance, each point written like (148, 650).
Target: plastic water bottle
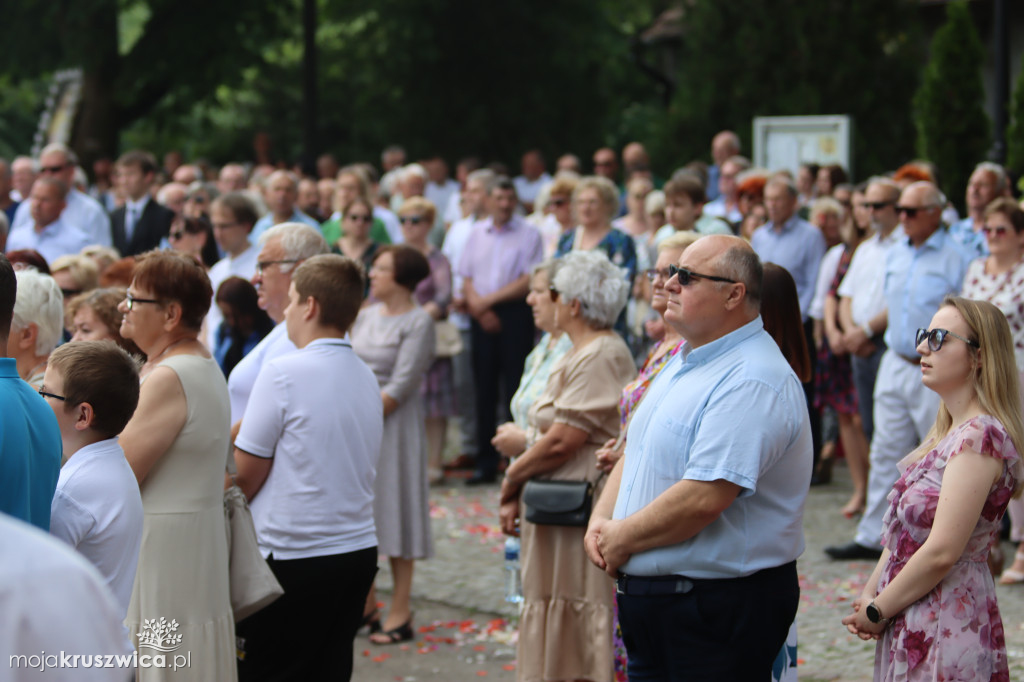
(513, 579)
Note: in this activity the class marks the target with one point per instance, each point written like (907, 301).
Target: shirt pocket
(670, 442)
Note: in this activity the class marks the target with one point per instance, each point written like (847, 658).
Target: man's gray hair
(414, 169)
(782, 180)
(888, 183)
(484, 176)
(69, 154)
(298, 241)
(292, 178)
(933, 196)
(995, 169)
(40, 302)
(741, 263)
(600, 287)
(741, 162)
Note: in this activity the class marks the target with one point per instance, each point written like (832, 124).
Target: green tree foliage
(747, 58)
(1015, 132)
(952, 126)
(453, 77)
(135, 54)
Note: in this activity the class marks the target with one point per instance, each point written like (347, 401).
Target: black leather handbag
(558, 503)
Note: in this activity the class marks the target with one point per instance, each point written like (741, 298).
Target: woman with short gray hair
(595, 202)
(565, 632)
(37, 324)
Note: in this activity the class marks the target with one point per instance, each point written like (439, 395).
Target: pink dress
(954, 632)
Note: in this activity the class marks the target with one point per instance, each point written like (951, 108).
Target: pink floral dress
(954, 632)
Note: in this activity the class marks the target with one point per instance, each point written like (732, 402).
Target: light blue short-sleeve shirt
(729, 410)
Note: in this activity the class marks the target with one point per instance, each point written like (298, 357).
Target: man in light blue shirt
(920, 271)
(281, 195)
(701, 520)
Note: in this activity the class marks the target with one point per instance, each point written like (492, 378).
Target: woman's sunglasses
(936, 337)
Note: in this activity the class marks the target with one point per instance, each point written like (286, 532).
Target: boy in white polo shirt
(93, 389)
(307, 458)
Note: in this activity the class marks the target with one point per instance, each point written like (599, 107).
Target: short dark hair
(336, 282)
(175, 276)
(241, 207)
(102, 374)
(503, 182)
(145, 161)
(411, 266)
(8, 294)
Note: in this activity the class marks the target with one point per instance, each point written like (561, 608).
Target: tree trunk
(96, 127)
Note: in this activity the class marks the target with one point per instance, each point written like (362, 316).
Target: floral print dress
(954, 632)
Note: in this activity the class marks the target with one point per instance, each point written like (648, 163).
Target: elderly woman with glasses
(565, 632)
(177, 444)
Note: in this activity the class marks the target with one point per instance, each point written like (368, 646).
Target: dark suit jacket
(151, 227)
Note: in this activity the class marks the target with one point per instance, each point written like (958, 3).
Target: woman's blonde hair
(994, 364)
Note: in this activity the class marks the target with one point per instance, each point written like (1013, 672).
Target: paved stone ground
(465, 630)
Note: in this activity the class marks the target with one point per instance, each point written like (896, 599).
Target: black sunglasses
(360, 218)
(911, 211)
(936, 337)
(686, 276)
(876, 205)
(411, 219)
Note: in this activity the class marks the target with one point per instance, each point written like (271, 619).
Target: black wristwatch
(874, 614)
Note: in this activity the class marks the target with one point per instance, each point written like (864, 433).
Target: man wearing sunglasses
(921, 269)
(82, 211)
(701, 519)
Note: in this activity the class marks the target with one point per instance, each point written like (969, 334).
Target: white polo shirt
(243, 376)
(97, 509)
(317, 412)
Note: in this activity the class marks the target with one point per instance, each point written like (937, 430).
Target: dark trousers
(865, 371)
(498, 361)
(307, 634)
(812, 412)
(730, 629)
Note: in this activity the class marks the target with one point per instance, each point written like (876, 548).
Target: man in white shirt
(862, 307)
(233, 217)
(534, 177)
(478, 187)
(307, 459)
(45, 229)
(81, 210)
(93, 389)
(282, 248)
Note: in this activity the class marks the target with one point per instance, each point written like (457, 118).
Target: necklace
(152, 361)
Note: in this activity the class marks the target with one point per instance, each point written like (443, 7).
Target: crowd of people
(654, 370)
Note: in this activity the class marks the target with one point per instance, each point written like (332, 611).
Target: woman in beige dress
(177, 445)
(565, 632)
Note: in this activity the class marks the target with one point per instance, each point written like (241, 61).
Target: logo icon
(159, 634)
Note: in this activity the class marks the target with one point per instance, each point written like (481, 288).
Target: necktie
(129, 223)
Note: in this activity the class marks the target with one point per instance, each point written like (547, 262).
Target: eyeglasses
(51, 395)
(264, 264)
(878, 205)
(359, 218)
(131, 301)
(411, 219)
(911, 211)
(52, 169)
(936, 337)
(998, 231)
(653, 273)
(686, 276)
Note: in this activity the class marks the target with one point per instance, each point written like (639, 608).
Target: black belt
(642, 586)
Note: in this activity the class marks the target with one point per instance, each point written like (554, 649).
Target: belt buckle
(620, 584)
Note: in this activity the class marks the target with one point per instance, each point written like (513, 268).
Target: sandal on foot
(403, 633)
(372, 621)
(1011, 577)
